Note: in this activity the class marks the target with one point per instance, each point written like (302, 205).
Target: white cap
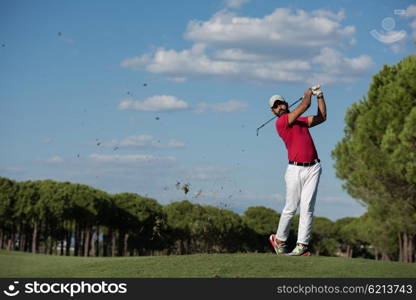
(274, 98)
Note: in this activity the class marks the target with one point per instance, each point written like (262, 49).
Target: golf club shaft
(261, 126)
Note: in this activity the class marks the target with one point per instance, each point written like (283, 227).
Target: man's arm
(302, 107)
(321, 115)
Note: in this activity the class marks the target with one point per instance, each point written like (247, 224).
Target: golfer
(304, 169)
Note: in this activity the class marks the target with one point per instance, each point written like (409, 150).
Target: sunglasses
(277, 103)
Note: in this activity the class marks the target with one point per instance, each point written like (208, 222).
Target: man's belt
(304, 164)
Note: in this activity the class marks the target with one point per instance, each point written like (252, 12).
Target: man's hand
(318, 93)
(316, 90)
(315, 87)
(308, 93)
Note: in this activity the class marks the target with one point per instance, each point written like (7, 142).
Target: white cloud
(128, 159)
(339, 16)
(336, 67)
(191, 64)
(184, 63)
(237, 55)
(47, 140)
(170, 103)
(236, 3)
(142, 142)
(281, 30)
(54, 159)
(410, 11)
(205, 173)
(332, 61)
(177, 79)
(228, 106)
(277, 48)
(12, 170)
(156, 103)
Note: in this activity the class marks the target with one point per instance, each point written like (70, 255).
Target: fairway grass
(18, 264)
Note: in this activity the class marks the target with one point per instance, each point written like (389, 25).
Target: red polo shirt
(298, 140)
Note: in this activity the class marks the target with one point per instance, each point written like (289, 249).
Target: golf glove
(316, 90)
(318, 93)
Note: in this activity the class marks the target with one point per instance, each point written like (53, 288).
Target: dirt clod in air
(185, 188)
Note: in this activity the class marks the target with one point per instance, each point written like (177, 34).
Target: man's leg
(293, 194)
(311, 177)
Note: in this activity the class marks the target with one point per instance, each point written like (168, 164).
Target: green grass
(18, 264)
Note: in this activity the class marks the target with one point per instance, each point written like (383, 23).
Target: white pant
(301, 186)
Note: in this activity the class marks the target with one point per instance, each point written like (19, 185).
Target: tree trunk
(87, 241)
(45, 249)
(82, 242)
(412, 248)
(409, 248)
(10, 242)
(113, 244)
(34, 237)
(28, 242)
(108, 243)
(54, 246)
(105, 244)
(1, 238)
(62, 239)
(181, 247)
(76, 239)
(97, 242)
(126, 243)
(20, 235)
(21, 239)
(400, 247)
(405, 248)
(68, 242)
(91, 252)
(51, 244)
(120, 245)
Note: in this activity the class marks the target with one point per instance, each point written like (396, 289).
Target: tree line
(64, 218)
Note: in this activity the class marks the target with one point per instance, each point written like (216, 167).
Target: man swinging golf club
(304, 169)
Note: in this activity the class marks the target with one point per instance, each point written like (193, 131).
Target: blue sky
(137, 96)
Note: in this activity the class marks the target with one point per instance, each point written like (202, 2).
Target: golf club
(261, 126)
